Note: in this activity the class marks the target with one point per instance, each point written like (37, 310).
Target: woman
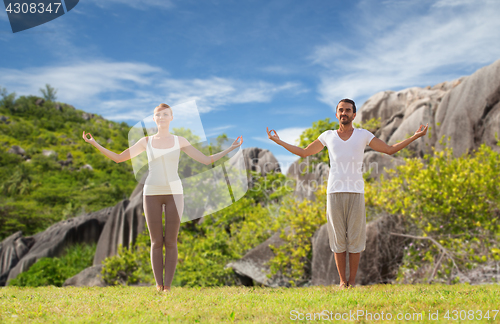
(163, 151)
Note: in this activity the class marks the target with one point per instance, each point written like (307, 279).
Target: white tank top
(163, 177)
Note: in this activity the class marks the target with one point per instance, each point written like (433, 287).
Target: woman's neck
(162, 133)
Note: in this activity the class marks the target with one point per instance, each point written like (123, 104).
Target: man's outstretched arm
(313, 148)
(380, 146)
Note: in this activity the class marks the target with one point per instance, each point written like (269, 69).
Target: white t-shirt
(346, 160)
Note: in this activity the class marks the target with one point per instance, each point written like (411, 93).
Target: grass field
(368, 304)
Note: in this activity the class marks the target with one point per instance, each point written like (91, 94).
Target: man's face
(345, 113)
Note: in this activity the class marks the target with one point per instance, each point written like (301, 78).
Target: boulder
(125, 222)
(379, 262)
(53, 241)
(379, 163)
(87, 166)
(12, 249)
(48, 153)
(39, 102)
(4, 119)
(89, 277)
(17, 150)
(260, 160)
(470, 113)
(87, 116)
(383, 254)
(254, 264)
(307, 181)
(466, 110)
(323, 267)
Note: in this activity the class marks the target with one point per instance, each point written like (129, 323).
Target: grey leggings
(174, 205)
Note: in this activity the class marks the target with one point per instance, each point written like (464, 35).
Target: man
(346, 219)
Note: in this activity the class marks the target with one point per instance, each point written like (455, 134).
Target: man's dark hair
(348, 101)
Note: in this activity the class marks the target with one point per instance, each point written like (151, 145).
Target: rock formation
(52, 242)
(254, 265)
(122, 227)
(87, 277)
(467, 110)
(307, 181)
(379, 262)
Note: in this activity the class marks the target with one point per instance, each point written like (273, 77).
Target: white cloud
(413, 51)
(216, 131)
(276, 69)
(128, 90)
(217, 92)
(289, 135)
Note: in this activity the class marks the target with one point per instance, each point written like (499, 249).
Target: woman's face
(163, 116)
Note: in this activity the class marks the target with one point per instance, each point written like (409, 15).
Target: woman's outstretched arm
(202, 158)
(129, 153)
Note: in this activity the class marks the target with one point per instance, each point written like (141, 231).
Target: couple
(345, 208)
(345, 200)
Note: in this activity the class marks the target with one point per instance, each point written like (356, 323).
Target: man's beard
(345, 121)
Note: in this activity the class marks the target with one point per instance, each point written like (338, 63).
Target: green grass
(243, 304)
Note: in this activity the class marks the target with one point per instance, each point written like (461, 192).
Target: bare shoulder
(143, 141)
(183, 142)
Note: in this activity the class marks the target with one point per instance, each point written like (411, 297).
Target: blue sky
(248, 64)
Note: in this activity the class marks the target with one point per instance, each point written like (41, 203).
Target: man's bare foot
(344, 285)
(159, 288)
(349, 285)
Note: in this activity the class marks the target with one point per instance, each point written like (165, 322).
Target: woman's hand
(237, 143)
(91, 140)
(272, 137)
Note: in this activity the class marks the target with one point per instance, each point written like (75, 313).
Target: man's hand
(421, 132)
(272, 137)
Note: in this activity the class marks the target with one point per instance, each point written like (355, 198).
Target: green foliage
(130, 266)
(206, 245)
(311, 134)
(372, 125)
(297, 222)
(19, 183)
(455, 201)
(39, 192)
(8, 99)
(54, 271)
(222, 237)
(49, 93)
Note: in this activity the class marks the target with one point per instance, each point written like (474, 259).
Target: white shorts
(346, 221)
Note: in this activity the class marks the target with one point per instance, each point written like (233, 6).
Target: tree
(8, 100)
(49, 93)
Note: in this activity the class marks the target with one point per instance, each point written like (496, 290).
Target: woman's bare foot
(159, 288)
(166, 288)
(344, 285)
